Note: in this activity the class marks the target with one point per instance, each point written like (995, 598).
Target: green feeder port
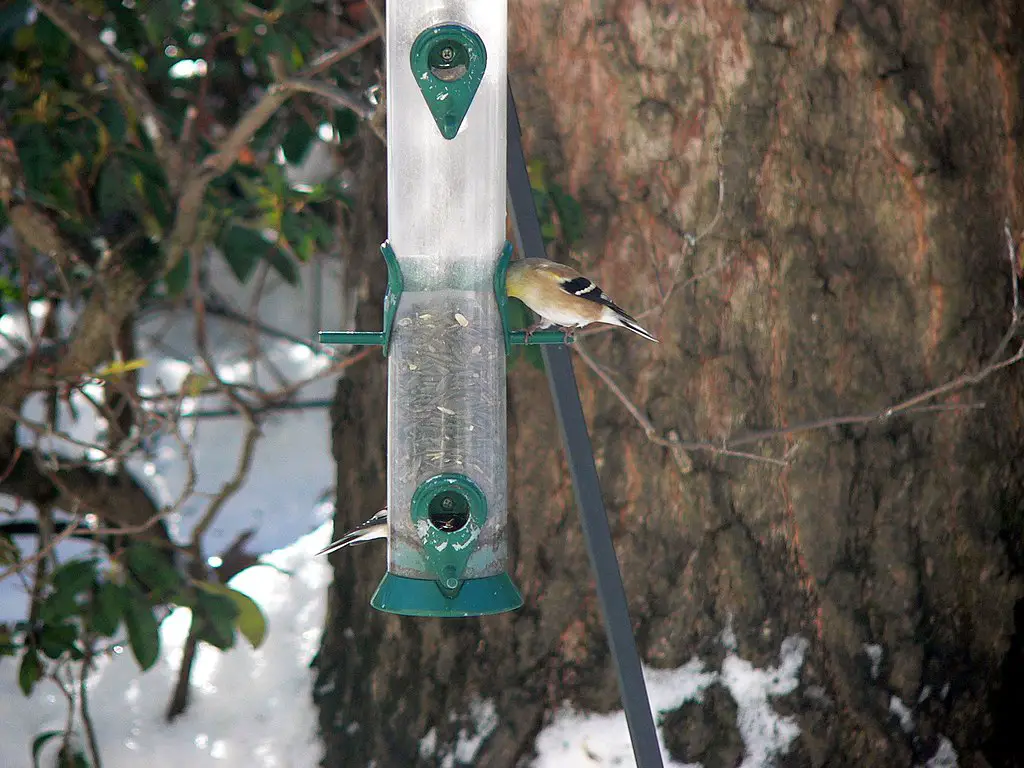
(448, 512)
(448, 62)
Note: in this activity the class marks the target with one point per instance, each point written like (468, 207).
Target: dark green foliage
(30, 671)
(143, 629)
(216, 616)
(89, 162)
(570, 214)
(107, 609)
(151, 568)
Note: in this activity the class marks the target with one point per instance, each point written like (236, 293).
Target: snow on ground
(249, 708)
(579, 739)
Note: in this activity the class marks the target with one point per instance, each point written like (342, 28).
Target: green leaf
(152, 568)
(283, 265)
(570, 214)
(208, 15)
(160, 20)
(276, 43)
(143, 630)
(321, 229)
(58, 606)
(121, 367)
(108, 608)
(296, 141)
(115, 191)
(39, 742)
(530, 355)
(251, 621)
(346, 124)
(277, 180)
(535, 171)
(51, 42)
(75, 576)
(176, 280)
(217, 614)
(39, 159)
(112, 116)
(56, 639)
(243, 249)
(245, 38)
(30, 671)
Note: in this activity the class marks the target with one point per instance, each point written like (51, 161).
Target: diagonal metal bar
(587, 486)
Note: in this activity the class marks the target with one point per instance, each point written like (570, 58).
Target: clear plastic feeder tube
(446, 198)
(446, 226)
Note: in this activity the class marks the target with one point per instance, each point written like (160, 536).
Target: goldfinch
(374, 528)
(564, 297)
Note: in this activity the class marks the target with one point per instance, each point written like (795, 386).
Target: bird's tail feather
(617, 317)
(374, 528)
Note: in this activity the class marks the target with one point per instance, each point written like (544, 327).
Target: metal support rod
(586, 484)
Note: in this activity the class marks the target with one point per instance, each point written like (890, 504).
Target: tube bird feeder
(445, 334)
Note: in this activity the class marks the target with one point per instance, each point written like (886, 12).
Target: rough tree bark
(871, 152)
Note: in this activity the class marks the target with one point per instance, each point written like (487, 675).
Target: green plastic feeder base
(422, 597)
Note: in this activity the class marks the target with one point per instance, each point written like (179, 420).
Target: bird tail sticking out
(374, 528)
(615, 316)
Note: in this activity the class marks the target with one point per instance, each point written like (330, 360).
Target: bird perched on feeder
(564, 297)
(374, 528)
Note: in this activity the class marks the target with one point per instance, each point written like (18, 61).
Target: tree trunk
(870, 153)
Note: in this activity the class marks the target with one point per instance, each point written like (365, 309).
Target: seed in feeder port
(461, 319)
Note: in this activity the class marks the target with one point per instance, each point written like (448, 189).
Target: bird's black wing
(585, 288)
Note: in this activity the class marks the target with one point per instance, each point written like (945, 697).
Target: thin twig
(83, 696)
(332, 93)
(233, 485)
(692, 241)
(681, 459)
(44, 549)
(328, 59)
(378, 17)
(912, 405)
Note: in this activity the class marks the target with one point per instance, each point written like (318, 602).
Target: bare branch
(83, 697)
(232, 486)
(913, 405)
(681, 459)
(44, 550)
(692, 242)
(328, 59)
(332, 93)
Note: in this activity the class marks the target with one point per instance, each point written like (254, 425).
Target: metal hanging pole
(586, 485)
